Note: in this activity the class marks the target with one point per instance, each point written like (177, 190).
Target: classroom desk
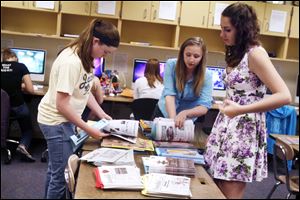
(202, 185)
(283, 138)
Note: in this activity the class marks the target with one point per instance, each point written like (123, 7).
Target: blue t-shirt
(187, 99)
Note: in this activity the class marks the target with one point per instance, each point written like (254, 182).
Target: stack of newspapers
(167, 186)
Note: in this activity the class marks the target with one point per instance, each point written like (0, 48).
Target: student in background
(187, 85)
(98, 93)
(151, 84)
(15, 77)
(236, 147)
(69, 91)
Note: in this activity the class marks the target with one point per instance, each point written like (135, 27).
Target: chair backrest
(5, 112)
(71, 172)
(143, 108)
(283, 152)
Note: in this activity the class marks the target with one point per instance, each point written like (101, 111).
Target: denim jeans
(22, 114)
(59, 150)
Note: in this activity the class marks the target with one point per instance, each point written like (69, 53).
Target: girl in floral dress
(236, 148)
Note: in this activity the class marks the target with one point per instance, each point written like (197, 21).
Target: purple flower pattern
(236, 147)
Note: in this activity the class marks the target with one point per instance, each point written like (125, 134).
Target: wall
(287, 69)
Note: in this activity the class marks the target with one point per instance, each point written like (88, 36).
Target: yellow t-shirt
(67, 76)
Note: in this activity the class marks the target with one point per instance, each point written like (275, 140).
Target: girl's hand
(106, 116)
(97, 134)
(230, 108)
(180, 118)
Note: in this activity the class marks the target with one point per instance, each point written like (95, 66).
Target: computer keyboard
(37, 86)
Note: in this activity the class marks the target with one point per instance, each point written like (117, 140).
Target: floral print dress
(236, 147)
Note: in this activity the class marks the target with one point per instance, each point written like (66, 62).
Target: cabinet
(194, 14)
(116, 6)
(294, 31)
(50, 6)
(148, 11)
(75, 7)
(275, 13)
(215, 11)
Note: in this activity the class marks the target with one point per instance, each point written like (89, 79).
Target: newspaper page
(166, 131)
(165, 185)
(123, 127)
(104, 155)
(120, 177)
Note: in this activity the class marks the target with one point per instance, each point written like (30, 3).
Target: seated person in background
(98, 94)
(12, 76)
(188, 86)
(151, 85)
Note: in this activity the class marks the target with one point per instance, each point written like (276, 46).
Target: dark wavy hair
(244, 19)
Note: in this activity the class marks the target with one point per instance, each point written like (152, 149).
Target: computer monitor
(219, 89)
(35, 61)
(99, 64)
(139, 66)
(297, 91)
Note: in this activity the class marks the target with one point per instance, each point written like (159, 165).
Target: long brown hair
(152, 72)
(181, 71)
(244, 19)
(105, 31)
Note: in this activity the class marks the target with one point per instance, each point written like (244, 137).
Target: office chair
(71, 172)
(143, 108)
(284, 152)
(6, 120)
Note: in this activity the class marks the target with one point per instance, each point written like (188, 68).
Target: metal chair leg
(273, 189)
(44, 156)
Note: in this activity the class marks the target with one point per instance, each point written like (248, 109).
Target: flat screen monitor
(99, 64)
(219, 89)
(139, 66)
(35, 61)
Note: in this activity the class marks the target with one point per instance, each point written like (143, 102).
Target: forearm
(196, 112)
(170, 106)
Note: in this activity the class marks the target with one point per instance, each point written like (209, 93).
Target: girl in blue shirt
(187, 86)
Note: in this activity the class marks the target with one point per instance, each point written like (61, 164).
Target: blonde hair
(152, 72)
(105, 31)
(199, 74)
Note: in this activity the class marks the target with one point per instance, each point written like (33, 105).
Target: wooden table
(202, 185)
(283, 138)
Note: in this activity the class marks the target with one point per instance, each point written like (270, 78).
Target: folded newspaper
(124, 129)
(163, 129)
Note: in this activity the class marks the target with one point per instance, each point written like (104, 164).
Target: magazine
(165, 185)
(174, 144)
(140, 145)
(163, 129)
(109, 156)
(181, 153)
(118, 177)
(125, 129)
(169, 165)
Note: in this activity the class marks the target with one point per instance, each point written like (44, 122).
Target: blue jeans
(59, 150)
(22, 114)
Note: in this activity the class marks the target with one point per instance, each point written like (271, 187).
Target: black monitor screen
(217, 73)
(34, 59)
(99, 64)
(139, 68)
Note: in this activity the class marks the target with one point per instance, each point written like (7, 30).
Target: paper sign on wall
(277, 21)
(45, 4)
(218, 12)
(167, 10)
(107, 7)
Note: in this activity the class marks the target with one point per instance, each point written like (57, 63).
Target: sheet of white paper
(218, 11)
(120, 62)
(167, 10)
(44, 4)
(107, 7)
(277, 21)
